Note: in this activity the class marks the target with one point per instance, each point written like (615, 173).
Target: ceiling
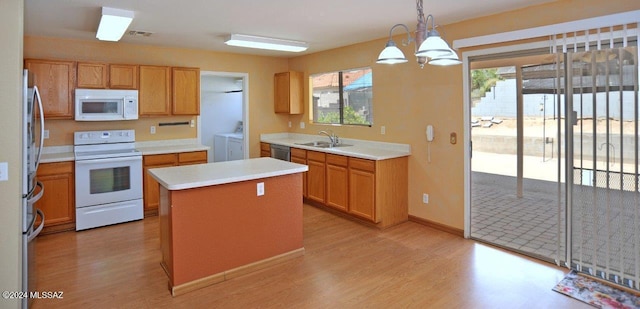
(203, 24)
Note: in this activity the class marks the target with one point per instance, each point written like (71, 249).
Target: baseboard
(437, 226)
(232, 273)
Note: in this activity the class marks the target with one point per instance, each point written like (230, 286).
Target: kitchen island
(222, 220)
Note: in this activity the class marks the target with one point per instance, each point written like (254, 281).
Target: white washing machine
(228, 146)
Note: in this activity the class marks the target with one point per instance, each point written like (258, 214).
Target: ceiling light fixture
(113, 24)
(430, 47)
(251, 41)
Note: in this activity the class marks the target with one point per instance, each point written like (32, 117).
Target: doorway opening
(223, 123)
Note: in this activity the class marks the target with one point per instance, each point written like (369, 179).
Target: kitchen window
(343, 97)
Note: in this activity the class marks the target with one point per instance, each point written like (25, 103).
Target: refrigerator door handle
(37, 231)
(37, 94)
(33, 199)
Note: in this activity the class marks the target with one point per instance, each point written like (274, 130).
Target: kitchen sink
(322, 144)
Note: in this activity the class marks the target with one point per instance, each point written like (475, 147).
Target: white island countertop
(210, 174)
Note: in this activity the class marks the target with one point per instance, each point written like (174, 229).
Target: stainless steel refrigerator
(32, 189)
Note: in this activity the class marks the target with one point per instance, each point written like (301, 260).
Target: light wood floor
(346, 265)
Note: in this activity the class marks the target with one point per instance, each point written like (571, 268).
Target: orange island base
(222, 220)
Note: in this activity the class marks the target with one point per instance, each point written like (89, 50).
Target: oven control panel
(103, 137)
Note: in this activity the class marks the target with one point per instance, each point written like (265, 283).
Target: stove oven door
(110, 180)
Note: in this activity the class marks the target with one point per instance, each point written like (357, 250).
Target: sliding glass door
(517, 180)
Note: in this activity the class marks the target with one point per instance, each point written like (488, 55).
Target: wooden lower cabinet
(58, 201)
(300, 156)
(151, 187)
(316, 176)
(337, 182)
(375, 191)
(362, 189)
(265, 150)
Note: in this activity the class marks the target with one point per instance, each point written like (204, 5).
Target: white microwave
(106, 104)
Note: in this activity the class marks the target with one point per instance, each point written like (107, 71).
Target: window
(343, 97)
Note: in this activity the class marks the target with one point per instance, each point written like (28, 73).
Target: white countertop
(218, 173)
(170, 146)
(360, 148)
(65, 153)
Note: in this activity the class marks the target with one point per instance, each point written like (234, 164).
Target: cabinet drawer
(298, 153)
(185, 157)
(362, 164)
(170, 158)
(315, 156)
(337, 160)
(265, 147)
(55, 168)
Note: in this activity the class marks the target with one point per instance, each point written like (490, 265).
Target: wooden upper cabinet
(154, 96)
(92, 75)
(185, 91)
(123, 76)
(288, 92)
(56, 81)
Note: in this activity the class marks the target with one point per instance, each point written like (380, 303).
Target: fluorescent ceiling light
(251, 41)
(113, 24)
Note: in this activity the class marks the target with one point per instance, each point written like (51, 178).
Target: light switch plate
(45, 134)
(4, 171)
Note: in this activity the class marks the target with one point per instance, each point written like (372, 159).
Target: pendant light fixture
(430, 47)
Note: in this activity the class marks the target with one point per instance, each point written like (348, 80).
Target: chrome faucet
(333, 138)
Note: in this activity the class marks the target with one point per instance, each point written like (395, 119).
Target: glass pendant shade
(433, 47)
(451, 59)
(391, 54)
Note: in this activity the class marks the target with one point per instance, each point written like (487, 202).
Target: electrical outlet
(453, 138)
(302, 125)
(383, 130)
(260, 189)
(4, 171)
(153, 130)
(289, 124)
(193, 123)
(45, 135)
(425, 198)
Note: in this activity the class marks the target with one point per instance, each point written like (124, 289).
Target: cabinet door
(58, 201)
(265, 150)
(186, 91)
(92, 75)
(300, 156)
(316, 178)
(288, 93)
(151, 187)
(362, 189)
(56, 81)
(153, 96)
(337, 182)
(123, 76)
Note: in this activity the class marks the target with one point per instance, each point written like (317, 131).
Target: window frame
(341, 103)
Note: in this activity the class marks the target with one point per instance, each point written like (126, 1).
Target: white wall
(11, 21)
(219, 111)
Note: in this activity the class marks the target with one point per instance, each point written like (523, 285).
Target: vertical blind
(598, 82)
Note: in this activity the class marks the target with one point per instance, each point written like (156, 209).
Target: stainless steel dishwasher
(281, 152)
